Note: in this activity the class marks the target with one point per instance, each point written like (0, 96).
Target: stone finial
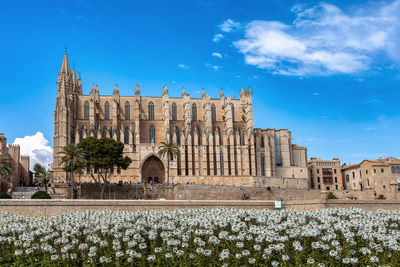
(137, 92)
(222, 93)
(249, 90)
(183, 91)
(115, 89)
(203, 94)
(241, 92)
(165, 90)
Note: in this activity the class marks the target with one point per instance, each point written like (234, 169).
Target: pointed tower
(63, 118)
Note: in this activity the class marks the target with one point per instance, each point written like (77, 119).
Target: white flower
(252, 260)
(54, 257)
(151, 258)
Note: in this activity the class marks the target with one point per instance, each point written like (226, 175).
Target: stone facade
(20, 166)
(381, 175)
(325, 174)
(216, 138)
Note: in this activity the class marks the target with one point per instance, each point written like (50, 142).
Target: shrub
(381, 197)
(245, 197)
(4, 195)
(41, 195)
(331, 196)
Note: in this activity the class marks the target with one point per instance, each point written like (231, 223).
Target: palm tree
(42, 176)
(170, 149)
(74, 161)
(5, 167)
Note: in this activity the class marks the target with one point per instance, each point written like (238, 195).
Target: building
(20, 166)
(216, 138)
(381, 175)
(325, 174)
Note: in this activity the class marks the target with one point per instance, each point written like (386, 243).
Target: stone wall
(198, 192)
(26, 207)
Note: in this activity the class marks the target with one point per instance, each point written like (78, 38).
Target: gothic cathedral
(216, 138)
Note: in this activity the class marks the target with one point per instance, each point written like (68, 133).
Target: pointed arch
(174, 111)
(213, 113)
(151, 111)
(86, 110)
(194, 112)
(152, 134)
(127, 111)
(126, 136)
(262, 165)
(107, 111)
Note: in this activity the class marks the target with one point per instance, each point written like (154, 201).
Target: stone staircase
(26, 192)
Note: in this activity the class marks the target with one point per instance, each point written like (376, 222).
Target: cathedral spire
(65, 65)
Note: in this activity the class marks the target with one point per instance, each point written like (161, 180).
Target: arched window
(194, 112)
(151, 111)
(104, 132)
(221, 161)
(262, 141)
(127, 111)
(174, 112)
(126, 136)
(233, 113)
(152, 134)
(86, 110)
(213, 113)
(178, 136)
(107, 111)
(262, 165)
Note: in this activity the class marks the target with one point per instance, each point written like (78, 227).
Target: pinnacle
(65, 65)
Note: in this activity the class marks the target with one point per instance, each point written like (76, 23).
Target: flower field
(216, 237)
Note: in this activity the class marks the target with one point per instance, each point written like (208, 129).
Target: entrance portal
(153, 170)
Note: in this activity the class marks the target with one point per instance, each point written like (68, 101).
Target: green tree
(5, 167)
(170, 149)
(102, 157)
(42, 176)
(73, 160)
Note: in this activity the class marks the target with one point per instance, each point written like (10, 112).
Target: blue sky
(327, 71)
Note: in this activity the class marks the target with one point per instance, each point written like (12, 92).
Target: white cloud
(216, 54)
(324, 40)
(229, 25)
(37, 148)
(217, 37)
(214, 67)
(183, 66)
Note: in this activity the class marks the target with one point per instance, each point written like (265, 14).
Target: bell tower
(62, 117)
